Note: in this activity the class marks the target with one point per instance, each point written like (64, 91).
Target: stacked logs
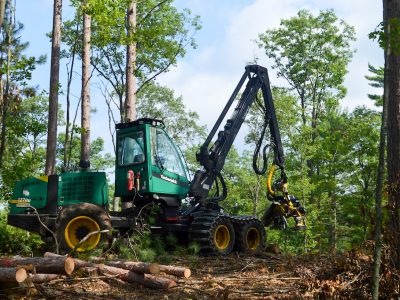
(52, 266)
(38, 269)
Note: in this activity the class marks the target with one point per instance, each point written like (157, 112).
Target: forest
(342, 164)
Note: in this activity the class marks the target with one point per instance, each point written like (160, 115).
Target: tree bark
(133, 277)
(77, 262)
(381, 171)
(53, 95)
(47, 265)
(393, 13)
(130, 97)
(130, 276)
(68, 96)
(122, 274)
(42, 278)
(139, 267)
(15, 274)
(6, 95)
(85, 121)
(176, 271)
(2, 10)
(158, 282)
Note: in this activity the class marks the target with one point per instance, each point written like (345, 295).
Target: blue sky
(207, 75)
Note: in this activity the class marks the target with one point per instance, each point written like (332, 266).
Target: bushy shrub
(15, 241)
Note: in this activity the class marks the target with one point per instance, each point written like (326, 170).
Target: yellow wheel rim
(253, 238)
(77, 229)
(222, 237)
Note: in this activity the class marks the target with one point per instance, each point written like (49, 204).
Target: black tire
(222, 236)
(250, 237)
(74, 222)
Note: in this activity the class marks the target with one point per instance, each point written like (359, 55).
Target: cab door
(131, 156)
(169, 173)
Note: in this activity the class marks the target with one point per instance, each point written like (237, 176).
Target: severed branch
(85, 239)
(47, 228)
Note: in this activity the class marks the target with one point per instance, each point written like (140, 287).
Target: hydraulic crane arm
(212, 159)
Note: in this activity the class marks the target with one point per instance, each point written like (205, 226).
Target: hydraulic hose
(256, 169)
(224, 194)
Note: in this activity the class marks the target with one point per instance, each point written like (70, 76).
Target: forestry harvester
(150, 170)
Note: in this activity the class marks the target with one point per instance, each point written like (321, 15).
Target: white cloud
(207, 78)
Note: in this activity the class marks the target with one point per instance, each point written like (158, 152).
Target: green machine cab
(146, 153)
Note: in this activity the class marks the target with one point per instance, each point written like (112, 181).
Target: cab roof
(141, 121)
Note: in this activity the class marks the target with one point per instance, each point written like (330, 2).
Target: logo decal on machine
(172, 180)
(169, 179)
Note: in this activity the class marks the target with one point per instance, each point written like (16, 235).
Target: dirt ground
(267, 276)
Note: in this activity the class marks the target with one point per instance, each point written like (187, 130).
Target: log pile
(37, 270)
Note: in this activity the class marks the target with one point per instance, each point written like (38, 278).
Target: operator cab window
(165, 154)
(131, 149)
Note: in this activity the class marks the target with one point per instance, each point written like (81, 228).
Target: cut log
(122, 274)
(138, 267)
(15, 274)
(132, 277)
(41, 278)
(127, 275)
(177, 271)
(46, 265)
(78, 262)
(158, 282)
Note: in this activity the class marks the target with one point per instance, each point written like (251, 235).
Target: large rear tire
(74, 222)
(213, 233)
(222, 236)
(250, 237)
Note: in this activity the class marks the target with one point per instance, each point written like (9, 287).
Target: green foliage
(161, 36)
(98, 159)
(141, 245)
(312, 54)
(21, 131)
(26, 136)
(388, 35)
(159, 102)
(14, 241)
(376, 80)
(321, 142)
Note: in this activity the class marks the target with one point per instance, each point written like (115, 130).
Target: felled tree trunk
(176, 271)
(158, 282)
(133, 277)
(14, 275)
(139, 267)
(46, 265)
(41, 278)
(125, 275)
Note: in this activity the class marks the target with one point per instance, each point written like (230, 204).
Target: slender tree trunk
(85, 135)
(6, 95)
(303, 197)
(67, 126)
(393, 13)
(2, 10)
(381, 171)
(130, 100)
(333, 225)
(53, 96)
(378, 199)
(334, 232)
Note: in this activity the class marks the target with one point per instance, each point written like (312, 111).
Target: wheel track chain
(203, 222)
